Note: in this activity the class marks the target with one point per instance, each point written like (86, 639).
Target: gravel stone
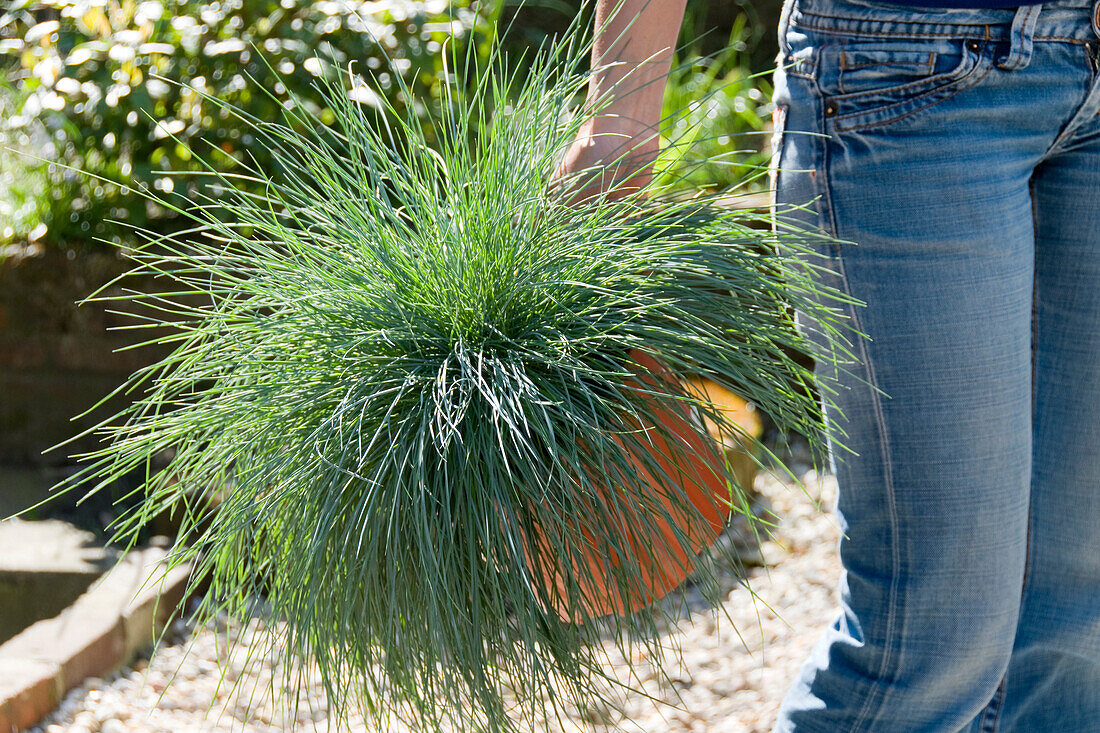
(732, 678)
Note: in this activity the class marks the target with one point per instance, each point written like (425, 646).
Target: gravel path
(727, 683)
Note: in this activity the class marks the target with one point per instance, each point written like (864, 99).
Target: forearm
(631, 55)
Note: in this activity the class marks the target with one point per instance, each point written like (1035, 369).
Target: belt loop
(784, 22)
(1023, 32)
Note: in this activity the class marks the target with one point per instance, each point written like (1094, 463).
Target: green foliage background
(115, 88)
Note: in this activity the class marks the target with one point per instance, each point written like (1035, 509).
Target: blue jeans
(958, 151)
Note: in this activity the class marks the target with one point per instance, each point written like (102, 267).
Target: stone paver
(120, 614)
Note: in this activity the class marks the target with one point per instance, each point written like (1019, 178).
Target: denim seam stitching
(894, 21)
(876, 64)
(970, 31)
(1067, 39)
(897, 34)
(895, 543)
(991, 713)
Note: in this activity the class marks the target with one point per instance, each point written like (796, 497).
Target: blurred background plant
(23, 185)
(109, 87)
(85, 77)
(716, 111)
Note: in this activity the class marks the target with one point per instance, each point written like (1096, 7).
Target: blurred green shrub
(83, 76)
(24, 188)
(83, 90)
(717, 114)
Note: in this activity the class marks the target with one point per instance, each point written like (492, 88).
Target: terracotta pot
(702, 476)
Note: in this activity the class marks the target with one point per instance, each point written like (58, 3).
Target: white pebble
(727, 683)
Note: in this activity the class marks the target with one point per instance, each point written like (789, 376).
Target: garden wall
(57, 359)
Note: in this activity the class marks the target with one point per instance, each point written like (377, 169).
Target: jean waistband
(1069, 20)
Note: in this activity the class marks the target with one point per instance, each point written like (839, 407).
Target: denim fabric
(966, 3)
(958, 152)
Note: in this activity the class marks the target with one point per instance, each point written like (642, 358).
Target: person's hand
(613, 157)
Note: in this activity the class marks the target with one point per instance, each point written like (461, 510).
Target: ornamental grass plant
(447, 408)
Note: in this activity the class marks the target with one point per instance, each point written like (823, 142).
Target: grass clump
(432, 391)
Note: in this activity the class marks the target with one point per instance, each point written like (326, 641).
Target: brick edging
(122, 613)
